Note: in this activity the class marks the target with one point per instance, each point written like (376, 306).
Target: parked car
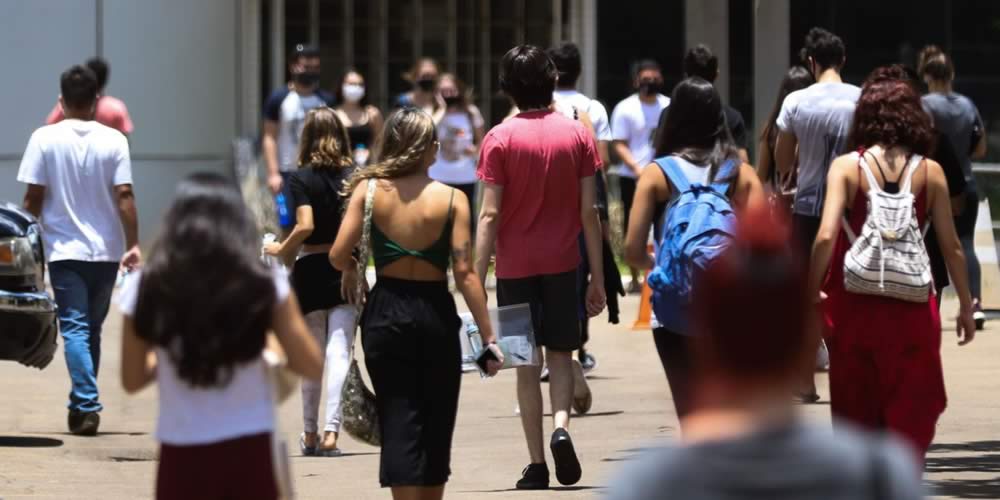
(27, 312)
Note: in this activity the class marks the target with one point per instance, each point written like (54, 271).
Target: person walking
(109, 111)
(692, 135)
(813, 126)
(196, 318)
(744, 438)
(884, 326)
(424, 77)
(363, 121)
(537, 170)
(284, 115)
(460, 130)
(701, 62)
(633, 123)
(410, 324)
(957, 117)
(79, 183)
(324, 165)
(575, 104)
(796, 78)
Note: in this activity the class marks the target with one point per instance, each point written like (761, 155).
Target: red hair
(889, 113)
(750, 306)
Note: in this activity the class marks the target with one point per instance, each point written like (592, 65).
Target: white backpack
(889, 258)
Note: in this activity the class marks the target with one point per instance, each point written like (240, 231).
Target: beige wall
(178, 65)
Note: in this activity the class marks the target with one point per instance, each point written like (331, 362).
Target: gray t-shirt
(796, 462)
(820, 118)
(956, 117)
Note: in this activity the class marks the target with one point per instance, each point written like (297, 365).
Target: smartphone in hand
(485, 356)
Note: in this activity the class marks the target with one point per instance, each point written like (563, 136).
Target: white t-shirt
(598, 114)
(456, 132)
(634, 122)
(79, 163)
(289, 109)
(820, 117)
(195, 415)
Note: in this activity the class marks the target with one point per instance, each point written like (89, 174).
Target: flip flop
(583, 399)
(307, 451)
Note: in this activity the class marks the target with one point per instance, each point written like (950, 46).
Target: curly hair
(324, 142)
(205, 297)
(406, 137)
(889, 113)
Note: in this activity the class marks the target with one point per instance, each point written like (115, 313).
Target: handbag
(359, 414)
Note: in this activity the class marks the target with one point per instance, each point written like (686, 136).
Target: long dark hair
(796, 78)
(205, 296)
(694, 126)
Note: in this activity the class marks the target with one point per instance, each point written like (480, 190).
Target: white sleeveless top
(196, 415)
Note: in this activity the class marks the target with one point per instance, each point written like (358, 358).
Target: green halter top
(385, 251)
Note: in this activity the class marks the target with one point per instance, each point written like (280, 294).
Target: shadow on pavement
(29, 442)
(553, 488)
(985, 458)
(966, 488)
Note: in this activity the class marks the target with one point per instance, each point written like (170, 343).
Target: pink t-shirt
(110, 112)
(538, 157)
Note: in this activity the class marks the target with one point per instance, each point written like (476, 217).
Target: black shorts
(554, 305)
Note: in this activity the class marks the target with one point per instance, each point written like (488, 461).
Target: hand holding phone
(490, 360)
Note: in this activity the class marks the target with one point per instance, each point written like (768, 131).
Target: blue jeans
(83, 294)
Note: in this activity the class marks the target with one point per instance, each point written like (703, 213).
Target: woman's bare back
(413, 212)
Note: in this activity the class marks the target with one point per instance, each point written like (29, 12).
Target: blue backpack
(698, 226)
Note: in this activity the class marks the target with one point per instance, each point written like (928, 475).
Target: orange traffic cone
(642, 322)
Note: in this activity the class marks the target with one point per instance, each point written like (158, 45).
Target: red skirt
(885, 354)
(235, 468)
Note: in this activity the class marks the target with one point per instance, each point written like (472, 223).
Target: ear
(62, 104)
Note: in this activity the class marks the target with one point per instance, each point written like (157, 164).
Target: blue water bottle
(284, 218)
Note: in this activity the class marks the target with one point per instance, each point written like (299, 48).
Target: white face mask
(353, 92)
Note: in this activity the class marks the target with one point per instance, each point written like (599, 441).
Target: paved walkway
(632, 410)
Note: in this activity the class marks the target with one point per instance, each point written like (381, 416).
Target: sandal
(807, 398)
(307, 451)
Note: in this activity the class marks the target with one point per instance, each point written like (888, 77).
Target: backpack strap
(726, 170)
(674, 173)
(914, 163)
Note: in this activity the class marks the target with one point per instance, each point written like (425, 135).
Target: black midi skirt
(409, 332)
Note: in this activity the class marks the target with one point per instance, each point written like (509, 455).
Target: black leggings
(675, 351)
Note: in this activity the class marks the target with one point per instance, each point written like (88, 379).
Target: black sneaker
(534, 477)
(83, 423)
(568, 470)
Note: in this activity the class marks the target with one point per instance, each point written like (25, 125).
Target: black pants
(626, 188)
(675, 351)
(804, 230)
(470, 193)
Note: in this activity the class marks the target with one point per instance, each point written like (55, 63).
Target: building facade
(196, 72)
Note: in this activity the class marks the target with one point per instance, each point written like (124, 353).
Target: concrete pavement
(632, 410)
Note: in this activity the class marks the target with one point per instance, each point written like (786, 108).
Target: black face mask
(649, 87)
(452, 101)
(307, 78)
(426, 84)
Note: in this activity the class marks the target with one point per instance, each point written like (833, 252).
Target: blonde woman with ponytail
(324, 165)
(410, 324)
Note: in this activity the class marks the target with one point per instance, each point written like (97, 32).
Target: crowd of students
(428, 191)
